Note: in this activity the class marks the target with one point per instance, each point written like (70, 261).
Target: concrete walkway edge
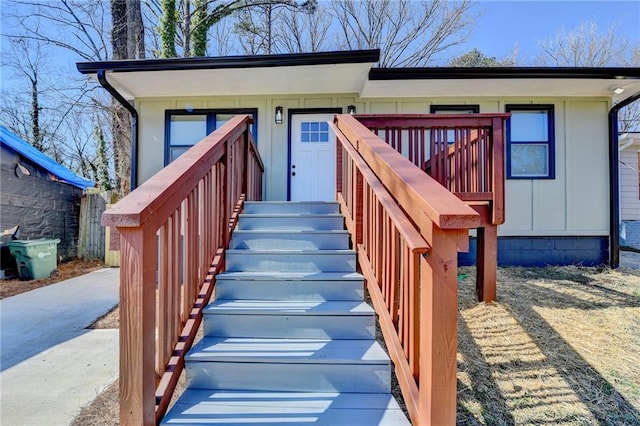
(51, 364)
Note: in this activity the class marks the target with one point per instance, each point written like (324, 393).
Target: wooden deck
(465, 154)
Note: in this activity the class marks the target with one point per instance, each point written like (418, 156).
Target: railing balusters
(468, 166)
(408, 288)
(172, 230)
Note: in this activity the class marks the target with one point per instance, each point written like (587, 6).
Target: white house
(562, 202)
(630, 189)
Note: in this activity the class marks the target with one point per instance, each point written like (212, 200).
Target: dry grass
(561, 346)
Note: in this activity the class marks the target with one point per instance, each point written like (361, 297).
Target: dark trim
(475, 109)
(290, 113)
(550, 108)
(208, 112)
(102, 78)
(225, 62)
(457, 73)
(614, 182)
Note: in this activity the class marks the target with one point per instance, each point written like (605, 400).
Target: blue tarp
(28, 151)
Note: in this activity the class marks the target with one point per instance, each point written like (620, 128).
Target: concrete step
(289, 319)
(290, 408)
(290, 286)
(291, 207)
(298, 222)
(298, 365)
(291, 261)
(290, 240)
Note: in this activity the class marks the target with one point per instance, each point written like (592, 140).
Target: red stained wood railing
(463, 152)
(408, 229)
(173, 232)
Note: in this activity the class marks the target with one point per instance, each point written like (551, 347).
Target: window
(183, 129)
(314, 132)
(530, 142)
(453, 109)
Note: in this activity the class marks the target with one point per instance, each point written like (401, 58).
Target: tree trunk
(35, 115)
(186, 49)
(127, 40)
(135, 31)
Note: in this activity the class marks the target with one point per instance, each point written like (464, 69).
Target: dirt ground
(561, 346)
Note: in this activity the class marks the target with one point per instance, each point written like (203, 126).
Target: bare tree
(186, 26)
(408, 33)
(28, 61)
(585, 46)
(255, 27)
(304, 30)
(78, 26)
(221, 44)
(81, 29)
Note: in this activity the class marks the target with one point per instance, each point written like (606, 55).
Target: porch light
(617, 89)
(351, 109)
(278, 115)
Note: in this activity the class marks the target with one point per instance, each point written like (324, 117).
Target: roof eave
(253, 61)
(453, 73)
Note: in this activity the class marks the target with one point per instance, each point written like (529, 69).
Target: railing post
(358, 205)
(338, 168)
(487, 259)
(137, 327)
(245, 165)
(438, 327)
(486, 255)
(497, 158)
(226, 195)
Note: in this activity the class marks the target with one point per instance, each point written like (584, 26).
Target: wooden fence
(91, 238)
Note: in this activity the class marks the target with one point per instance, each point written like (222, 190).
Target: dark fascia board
(225, 62)
(459, 73)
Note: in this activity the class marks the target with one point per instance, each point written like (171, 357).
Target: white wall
(574, 203)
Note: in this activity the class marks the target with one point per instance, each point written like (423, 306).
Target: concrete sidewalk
(51, 364)
(629, 260)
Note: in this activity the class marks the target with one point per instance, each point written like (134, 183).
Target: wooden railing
(463, 152)
(173, 232)
(407, 229)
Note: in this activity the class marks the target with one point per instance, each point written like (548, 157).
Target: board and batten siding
(576, 202)
(629, 186)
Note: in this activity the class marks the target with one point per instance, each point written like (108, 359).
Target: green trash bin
(35, 258)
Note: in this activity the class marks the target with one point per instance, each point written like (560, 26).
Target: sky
(505, 23)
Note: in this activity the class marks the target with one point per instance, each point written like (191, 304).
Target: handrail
(463, 152)
(173, 232)
(407, 229)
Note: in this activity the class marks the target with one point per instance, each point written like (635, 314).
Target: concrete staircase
(288, 338)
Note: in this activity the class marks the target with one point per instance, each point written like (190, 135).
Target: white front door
(312, 172)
